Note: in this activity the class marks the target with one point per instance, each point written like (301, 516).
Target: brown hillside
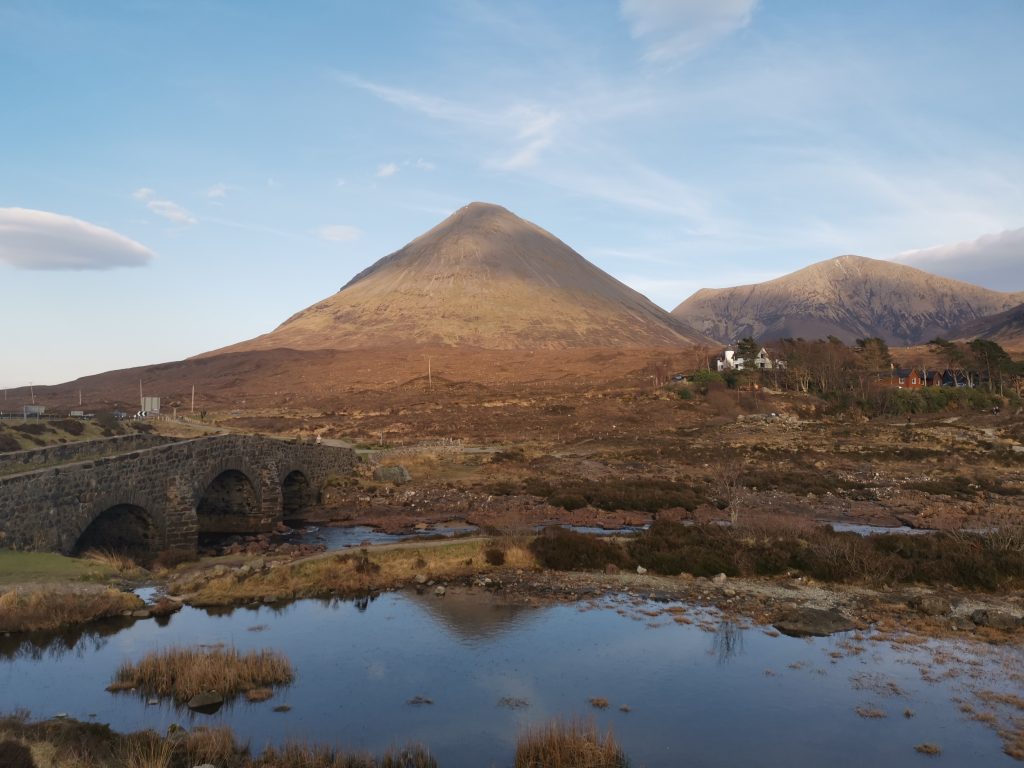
(483, 278)
(848, 297)
(1007, 328)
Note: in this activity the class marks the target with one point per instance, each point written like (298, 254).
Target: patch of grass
(38, 609)
(19, 567)
(304, 756)
(929, 749)
(561, 744)
(181, 673)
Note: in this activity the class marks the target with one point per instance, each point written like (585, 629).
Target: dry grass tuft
(599, 702)
(304, 756)
(145, 750)
(560, 744)
(182, 673)
(33, 609)
(115, 561)
(259, 694)
(929, 749)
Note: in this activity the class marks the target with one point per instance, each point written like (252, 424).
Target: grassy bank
(351, 572)
(21, 567)
(71, 744)
(33, 609)
(181, 673)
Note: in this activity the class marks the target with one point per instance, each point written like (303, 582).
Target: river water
(702, 691)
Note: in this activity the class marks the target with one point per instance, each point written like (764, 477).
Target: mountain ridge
(848, 297)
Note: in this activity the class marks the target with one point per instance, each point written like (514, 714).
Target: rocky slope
(848, 297)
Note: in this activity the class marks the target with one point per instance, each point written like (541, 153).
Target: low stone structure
(161, 497)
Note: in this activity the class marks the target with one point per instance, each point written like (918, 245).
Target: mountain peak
(487, 278)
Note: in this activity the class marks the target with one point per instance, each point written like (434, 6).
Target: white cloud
(994, 260)
(339, 233)
(42, 240)
(425, 165)
(142, 193)
(387, 169)
(340, 183)
(171, 211)
(218, 191)
(677, 29)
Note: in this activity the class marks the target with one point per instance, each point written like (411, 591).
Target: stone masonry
(49, 509)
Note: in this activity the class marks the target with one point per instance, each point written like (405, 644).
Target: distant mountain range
(848, 297)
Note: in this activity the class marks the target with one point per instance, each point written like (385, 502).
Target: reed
(568, 744)
(37, 609)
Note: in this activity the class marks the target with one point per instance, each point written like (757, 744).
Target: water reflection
(728, 641)
(359, 662)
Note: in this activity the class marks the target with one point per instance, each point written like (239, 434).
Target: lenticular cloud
(43, 240)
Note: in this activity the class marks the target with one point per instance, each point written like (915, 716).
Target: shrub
(565, 550)
(71, 426)
(494, 556)
(8, 443)
(671, 548)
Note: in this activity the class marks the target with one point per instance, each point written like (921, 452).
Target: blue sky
(177, 176)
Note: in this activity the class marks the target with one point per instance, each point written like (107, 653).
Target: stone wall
(50, 508)
(37, 458)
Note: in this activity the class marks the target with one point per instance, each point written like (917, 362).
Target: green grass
(18, 567)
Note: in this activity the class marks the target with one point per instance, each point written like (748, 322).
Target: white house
(761, 362)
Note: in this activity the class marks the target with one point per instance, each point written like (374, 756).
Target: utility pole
(193, 410)
(140, 395)
(32, 392)
(79, 397)
(430, 378)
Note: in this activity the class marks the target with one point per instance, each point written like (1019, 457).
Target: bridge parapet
(169, 492)
(65, 453)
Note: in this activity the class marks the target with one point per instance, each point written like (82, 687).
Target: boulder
(719, 578)
(395, 474)
(813, 622)
(985, 617)
(641, 570)
(439, 591)
(930, 605)
(419, 578)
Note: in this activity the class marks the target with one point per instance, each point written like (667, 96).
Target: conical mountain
(849, 297)
(481, 278)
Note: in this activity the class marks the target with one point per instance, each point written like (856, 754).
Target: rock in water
(813, 622)
(207, 702)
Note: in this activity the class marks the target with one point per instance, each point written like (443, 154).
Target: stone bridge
(160, 497)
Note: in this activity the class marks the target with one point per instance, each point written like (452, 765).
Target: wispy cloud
(218, 191)
(164, 208)
(170, 211)
(425, 165)
(386, 169)
(338, 233)
(678, 29)
(42, 240)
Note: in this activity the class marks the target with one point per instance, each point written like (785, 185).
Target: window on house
(913, 381)
(902, 380)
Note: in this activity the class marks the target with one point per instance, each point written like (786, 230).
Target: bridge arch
(228, 498)
(123, 527)
(297, 492)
